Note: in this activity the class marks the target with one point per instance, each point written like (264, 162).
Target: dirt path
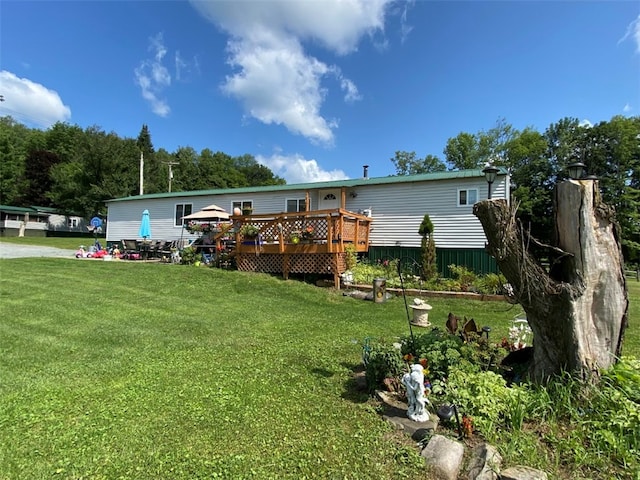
(11, 250)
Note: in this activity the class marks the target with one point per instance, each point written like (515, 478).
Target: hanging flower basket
(196, 227)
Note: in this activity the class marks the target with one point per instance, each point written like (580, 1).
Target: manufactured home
(394, 205)
(38, 222)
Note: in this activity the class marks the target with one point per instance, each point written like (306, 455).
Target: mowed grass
(131, 370)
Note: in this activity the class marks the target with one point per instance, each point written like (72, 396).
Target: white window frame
(297, 200)
(72, 222)
(175, 213)
(467, 190)
(241, 204)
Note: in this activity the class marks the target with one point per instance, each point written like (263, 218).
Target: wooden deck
(322, 239)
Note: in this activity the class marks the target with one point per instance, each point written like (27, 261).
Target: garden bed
(433, 293)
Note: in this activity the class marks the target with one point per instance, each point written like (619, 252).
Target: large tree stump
(577, 307)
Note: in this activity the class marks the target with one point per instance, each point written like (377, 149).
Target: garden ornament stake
(406, 307)
(446, 411)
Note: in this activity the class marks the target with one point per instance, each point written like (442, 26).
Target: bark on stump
(577, 308)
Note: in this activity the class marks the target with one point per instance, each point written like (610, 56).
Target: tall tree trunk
(577, 308)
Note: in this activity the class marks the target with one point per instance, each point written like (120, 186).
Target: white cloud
(351, 90)
(153, 77)
(627, 108)
(186, 68)
(586, 123)
(405, 28)
(278, 84)
(633, 31)
(31, 102)
(297, 169)
(274, 78)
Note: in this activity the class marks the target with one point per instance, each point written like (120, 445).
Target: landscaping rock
(485, 463)
(444, 456)
(395, 412)
(522, 473)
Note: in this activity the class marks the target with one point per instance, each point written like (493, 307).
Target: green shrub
(427, 249)
(381, 361)
(441, 349)
(463, 275)
(486, 398)
(492, 284)
(350, 256)
(188, 256)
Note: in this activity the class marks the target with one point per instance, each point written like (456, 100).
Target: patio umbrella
(211, 212)
(145, 226)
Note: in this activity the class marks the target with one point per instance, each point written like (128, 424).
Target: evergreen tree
(428, 249)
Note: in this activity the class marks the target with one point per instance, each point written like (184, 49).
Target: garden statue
(414, 382)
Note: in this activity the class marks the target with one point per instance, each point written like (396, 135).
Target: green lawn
(58, 242)
(131, 370)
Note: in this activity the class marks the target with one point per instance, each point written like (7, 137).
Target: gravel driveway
(11, 250)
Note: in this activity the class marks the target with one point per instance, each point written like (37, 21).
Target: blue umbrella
(145, 226)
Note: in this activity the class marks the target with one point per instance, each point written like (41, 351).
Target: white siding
(125, 216)
(397, 211)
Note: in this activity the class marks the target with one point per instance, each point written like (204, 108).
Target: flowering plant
(197, 227)
(409, 358)
(307, 233)
(519, 333)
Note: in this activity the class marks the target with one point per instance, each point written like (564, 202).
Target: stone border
(433, 293)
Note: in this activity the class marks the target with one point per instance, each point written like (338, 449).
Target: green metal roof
(349, 183)
(11, 209)
(45, 209)
(33, 210)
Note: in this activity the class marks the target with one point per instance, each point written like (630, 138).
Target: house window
(296, 205)
(329, 196)
(467, 197)
(72, 223)
(182, 210)
(242, 205)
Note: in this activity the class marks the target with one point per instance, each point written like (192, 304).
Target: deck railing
(317, 231)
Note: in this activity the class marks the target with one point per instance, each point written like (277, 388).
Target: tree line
(538, 161)
(75, 170)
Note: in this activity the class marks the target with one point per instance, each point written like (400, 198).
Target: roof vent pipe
(365, 173)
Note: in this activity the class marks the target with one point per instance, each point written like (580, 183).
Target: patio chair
(168, 248)
(130, 250)
(158, 248)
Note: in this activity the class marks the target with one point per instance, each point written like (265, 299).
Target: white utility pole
(171, 164)
(141, 173)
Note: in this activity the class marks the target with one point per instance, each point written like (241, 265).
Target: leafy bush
(441, 350)
(485, 397)
(188, 256)
(463, 275)
(381, 362)
(491, 283)
(350, 256)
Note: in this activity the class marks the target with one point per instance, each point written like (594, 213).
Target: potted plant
(294, 237)
(249, 231)
(308, 232)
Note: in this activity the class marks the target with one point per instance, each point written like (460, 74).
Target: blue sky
(316, 89)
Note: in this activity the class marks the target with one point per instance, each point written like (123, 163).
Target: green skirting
(475, 259)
